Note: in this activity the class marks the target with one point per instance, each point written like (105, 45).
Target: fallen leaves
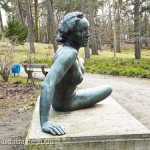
(17, 96)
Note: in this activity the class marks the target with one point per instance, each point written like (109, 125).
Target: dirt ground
(17, 102)
(16, 112)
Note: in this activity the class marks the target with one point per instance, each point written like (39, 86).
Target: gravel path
(132, 93)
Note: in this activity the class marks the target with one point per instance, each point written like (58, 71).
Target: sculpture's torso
(65, 89)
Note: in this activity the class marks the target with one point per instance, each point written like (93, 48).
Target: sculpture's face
(81, 34)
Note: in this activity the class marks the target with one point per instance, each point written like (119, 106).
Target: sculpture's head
(74, 29)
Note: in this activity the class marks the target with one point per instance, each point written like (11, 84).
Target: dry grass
(45, 51)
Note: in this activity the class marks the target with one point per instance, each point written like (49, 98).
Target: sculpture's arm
(61, 65)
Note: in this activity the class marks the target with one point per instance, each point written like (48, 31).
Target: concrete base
(106, 126)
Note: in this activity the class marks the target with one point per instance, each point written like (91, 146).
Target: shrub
(5, 64)
(16, 31)
(120, 67)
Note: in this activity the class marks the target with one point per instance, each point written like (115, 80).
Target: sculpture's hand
(51, 128)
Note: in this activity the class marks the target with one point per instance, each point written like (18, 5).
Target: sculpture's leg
(88, 97)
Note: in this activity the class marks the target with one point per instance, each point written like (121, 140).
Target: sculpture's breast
(75, 74)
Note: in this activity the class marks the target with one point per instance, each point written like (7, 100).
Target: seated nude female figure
(66, 72)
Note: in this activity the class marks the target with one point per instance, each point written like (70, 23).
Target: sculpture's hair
(68, 25)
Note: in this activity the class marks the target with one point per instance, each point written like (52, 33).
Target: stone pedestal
(106, 126)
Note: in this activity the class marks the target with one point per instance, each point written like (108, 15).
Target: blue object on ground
(15, 69)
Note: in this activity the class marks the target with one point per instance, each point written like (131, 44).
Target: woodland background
(113, 23)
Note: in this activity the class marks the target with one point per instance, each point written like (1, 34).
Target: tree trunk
(118, 29)
(111, 22)
(30, 26)
(52, 24)
(115, 37)
(50, 37)
(36, 19)
(39, 31)
(1, 22)
(146, 31)
(137, 29)
(128, 34)
(48, 31)
(18, 10)
(92, 29)
(21, 12)
(98, 39)
(86, 49)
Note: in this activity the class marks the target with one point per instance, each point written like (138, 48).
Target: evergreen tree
(16, 31)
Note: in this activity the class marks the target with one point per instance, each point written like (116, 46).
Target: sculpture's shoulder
(68, 50)
(66, 53)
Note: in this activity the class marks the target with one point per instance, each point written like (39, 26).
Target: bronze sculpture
(59, 86)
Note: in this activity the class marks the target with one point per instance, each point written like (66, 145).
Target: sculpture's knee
(108, 89)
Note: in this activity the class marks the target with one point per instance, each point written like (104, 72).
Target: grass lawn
(124, 65)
